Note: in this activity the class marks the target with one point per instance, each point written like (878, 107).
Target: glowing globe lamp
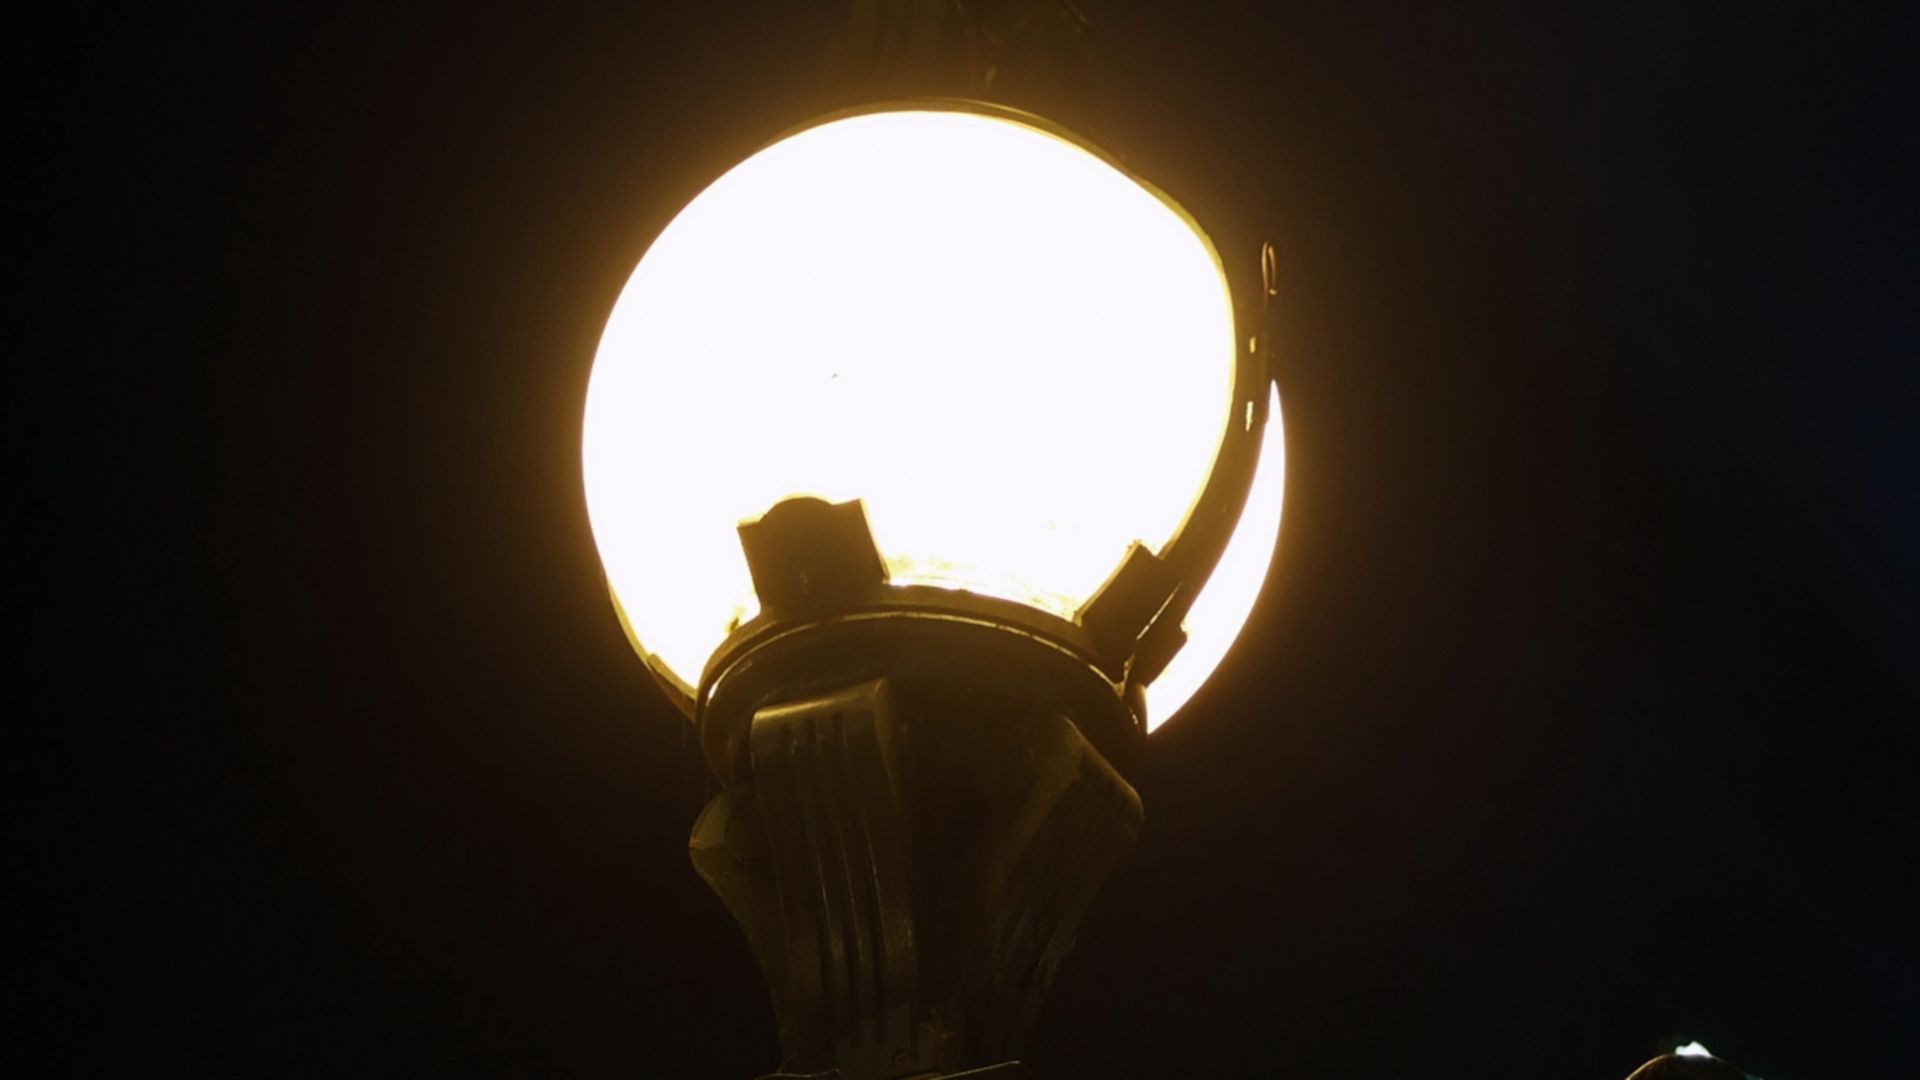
(932, 461)
(1018, 358)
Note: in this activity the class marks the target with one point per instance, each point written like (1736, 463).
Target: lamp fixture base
(910, 864)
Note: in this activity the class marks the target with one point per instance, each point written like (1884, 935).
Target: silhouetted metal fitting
(1127, 604)
(809, 555)
(1156, 649)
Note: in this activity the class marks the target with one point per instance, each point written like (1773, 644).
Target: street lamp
(933, 462)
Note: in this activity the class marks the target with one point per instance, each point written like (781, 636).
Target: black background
(1578, 715)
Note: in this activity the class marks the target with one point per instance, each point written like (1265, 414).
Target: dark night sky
(1578, 715)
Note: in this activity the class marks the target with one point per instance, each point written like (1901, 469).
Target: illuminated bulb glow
(1019, 358)
(1692, 1049)
(1220, 611)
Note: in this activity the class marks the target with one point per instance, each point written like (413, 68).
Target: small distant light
(1692, 1049)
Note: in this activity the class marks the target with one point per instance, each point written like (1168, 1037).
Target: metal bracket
(807, 555)
(1135, 617)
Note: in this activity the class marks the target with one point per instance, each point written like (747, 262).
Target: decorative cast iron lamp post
(933, 461)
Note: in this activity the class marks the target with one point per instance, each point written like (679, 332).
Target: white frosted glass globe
(1016, 356)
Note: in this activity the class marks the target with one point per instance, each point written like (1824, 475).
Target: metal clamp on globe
(932, 465)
